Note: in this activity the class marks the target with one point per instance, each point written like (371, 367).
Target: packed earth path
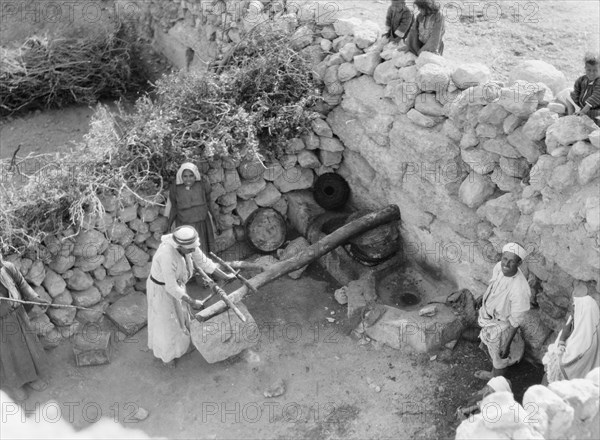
(330, 378)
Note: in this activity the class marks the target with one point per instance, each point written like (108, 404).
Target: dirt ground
(327, 372)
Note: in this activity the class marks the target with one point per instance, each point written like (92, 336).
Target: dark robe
(588, 92)
(399, 18)
(190, 207)
(22, 358)
(426, 34)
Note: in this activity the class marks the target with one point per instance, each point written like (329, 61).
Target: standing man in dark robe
(22, 357)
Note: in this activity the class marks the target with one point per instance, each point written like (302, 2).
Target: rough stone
(329, 158)
(54, 283)
(521, 103)
(402, 94)
(245, 208)
(367, 63)
(302, 209)
(563, 176)
(580, 149)
(365, 37)
(311, 141)
(501, 147)
(139, 226)
(502, 212)
(567, 131)
(504, 181)
(273, 171)
(420, 119)
(430, 58)
(113, 253)
(333, 85)
(250, 189)
(120, 267)
(578, 393)
(427, 104)
(479, 160)
(514, 167)
(432, 78)
(88, 264)
(326, 45)
(511, 123)
(347, 26)
(90, 243)
(469, 75)
(61, 317)
(331, 144)
(386, 72)
(130, 314)
(231, 181)
(452, 131)
(228, 199)
(308, 159)
(594, 138)
(86, 298)
(329, 32)
(589, 168)
(535, 71)
(79, 280)
(142, 271)
(136, 256)
(493, 114)
(469, 139)
(321, 128)
(268, 196)
(302, 37)
(486, 131)
(95, 313)
(65, 298)
(475, 190)
(405, 59)
(529, 149)
(346, 72)
(123, 282)
(120, 233)
(554, 415)
(127, 213)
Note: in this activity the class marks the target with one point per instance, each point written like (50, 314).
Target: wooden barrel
(376, 245)
(265, 230)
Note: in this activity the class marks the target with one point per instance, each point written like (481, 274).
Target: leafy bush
(262, 98)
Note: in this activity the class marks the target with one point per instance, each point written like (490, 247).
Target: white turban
(515, 249)
(499, 383)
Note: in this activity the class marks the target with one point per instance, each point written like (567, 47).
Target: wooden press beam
(318, 249)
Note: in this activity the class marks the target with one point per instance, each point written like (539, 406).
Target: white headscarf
(586, 320)
(515, 249)
(186, 166)
(185, 237)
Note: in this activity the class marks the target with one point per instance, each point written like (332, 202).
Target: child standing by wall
(398, 20)
(191, 205)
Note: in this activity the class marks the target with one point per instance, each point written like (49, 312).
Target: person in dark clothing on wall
(398, 20)
(586, 90)
(427, 30)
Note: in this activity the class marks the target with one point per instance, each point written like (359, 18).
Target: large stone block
(493, 114)
(554, 416)
(514, 167)
(346, 72)
(302, 209)
(431, 58)
(90, 243)
(469, 75)
(433, 78)
(563, 176)
(294, 179)
(534, 71)
(480, 160)
(427, 104)
(120, 233)
(113, 253)
(245, 208)
(366, 36)
(475, 190)
(328, 158)
(364, 96)
(268, 196)
(148, 213)
(583, 397)
(302, 37)
(529, 149)
(367, 63)
(594, 138)
(403, 94)
(502, 212)
(386, 72)
(518, 100)
(418, 118)
(54, 283)
(86, 298)
(589, 168)
(308, 159)
(136, 256)
(580, 149)
(231, 181)
(250, 188)
(142, 271)
(537, 124)
(61, 317)
(291, 251)
(347, 26)
(79, 280)
(127, 213)
(501, 147)
(130, 313)
(88, 264)
(273, 171)
(567, 131)
(120, 267)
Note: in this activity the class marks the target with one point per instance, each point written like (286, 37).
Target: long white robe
(168, 317)
(582, 348)
(504, 306)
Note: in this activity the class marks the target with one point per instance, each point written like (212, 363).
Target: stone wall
(563, 410)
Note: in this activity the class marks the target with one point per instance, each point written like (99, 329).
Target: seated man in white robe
(503, 308)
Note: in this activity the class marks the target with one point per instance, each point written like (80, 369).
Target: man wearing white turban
(503, 308)
(168, 302)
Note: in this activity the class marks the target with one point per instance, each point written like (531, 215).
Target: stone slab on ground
(224, 335)
(400, 328)
(130, 314)
(302, 209)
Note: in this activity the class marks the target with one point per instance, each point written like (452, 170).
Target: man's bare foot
(19, 394)
(38, 385)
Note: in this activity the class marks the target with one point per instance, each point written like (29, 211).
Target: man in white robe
(503, 308)
(168, 302)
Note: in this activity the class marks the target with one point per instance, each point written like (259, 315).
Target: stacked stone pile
(565, 409)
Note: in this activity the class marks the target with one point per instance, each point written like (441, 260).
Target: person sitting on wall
(577, 350)
(398, 20)
(503, 307)
(168, 312)
(22, 358)
(427, 30)
(473, 405)
(586, 90)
